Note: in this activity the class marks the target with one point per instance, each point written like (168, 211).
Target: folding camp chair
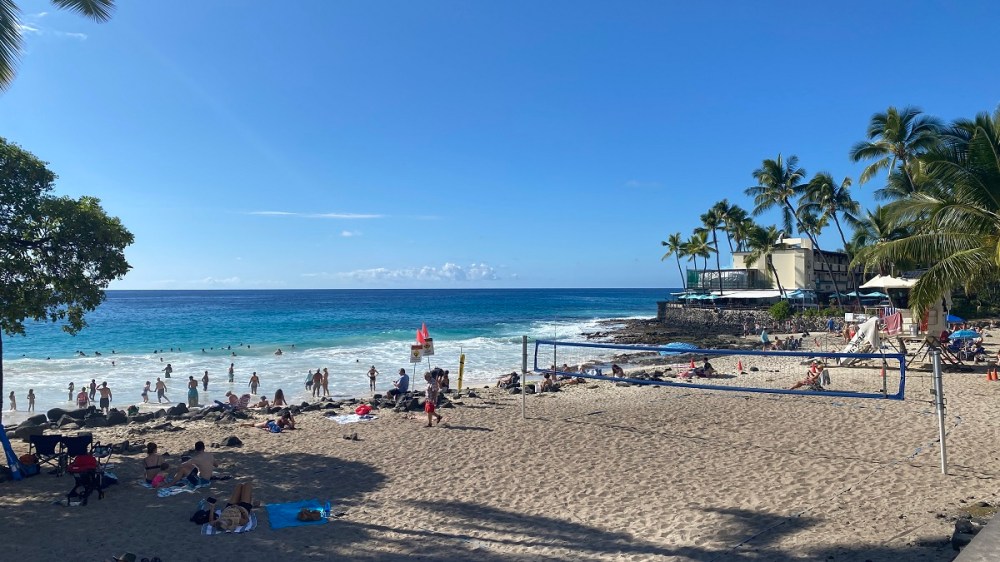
(48, 449)
(77, 445)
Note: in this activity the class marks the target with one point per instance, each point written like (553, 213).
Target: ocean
(137, 333)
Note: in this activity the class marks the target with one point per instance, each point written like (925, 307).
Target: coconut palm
(711, 222)
(742, 232)
(761, 245)
(827, 198)
(10, 30)
(957, 230)
(778, 182)
(876, 227)
(697, 246)
(675, 247)
(732, 216)
(895, 137)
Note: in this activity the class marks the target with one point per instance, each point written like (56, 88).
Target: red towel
(894, 323)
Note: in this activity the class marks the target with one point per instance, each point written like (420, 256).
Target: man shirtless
(161, 391)
(198, 470)
(105, 397)
(317, 381)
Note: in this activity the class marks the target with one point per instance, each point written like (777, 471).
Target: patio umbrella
(952, 319)
(889, 282)
(964, 335)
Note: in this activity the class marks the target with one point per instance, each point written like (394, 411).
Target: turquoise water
(346, 331)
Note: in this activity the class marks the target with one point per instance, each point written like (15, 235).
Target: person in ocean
(93, 389)
(145, 393)
(161, 391)
(204, 381)
(254, 383)
(105, 397)
(71, 387)
(232, 371)
(192, 391)
(372, 373)
(317, 383)
(309, 380)
(326, 382)
(167, 370)
(31, 399)
(13, 402)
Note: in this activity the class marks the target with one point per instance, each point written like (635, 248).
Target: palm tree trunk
(777, 281)
(679, 270)
(854, 274)
(718, 266)
(815, 243)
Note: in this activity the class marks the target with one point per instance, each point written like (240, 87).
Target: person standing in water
(93, 389)
(13, 402)
(254, 383)
(167, 370)
(204, 381)
(326, 382)
(317, 382)
(372, 373)
(71, 387)
(161, 391)
(105, 398)
(192, 391)
(145, 393)
(31, 399)
(232, 371)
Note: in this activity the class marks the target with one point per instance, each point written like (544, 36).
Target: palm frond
(97, 10)
(10, 42)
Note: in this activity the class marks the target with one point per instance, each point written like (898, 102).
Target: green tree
(895, 137)
(57, 254)
(761, 244)
(10, 32)
(675, 247)
(828, 200)
(697, 246)
(778, 182)
(712, 221)
(871, 229)
(956, 231)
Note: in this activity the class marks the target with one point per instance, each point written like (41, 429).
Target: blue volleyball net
(818, 373)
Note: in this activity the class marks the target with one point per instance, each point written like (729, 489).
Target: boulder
(55, 414)
(70, 427)
(81, 413)
(232, 441)
(622, 383)
(377, 397)
(415, 404)
(65, 420)
(95, 420)
(40, 419)
(142, 418)
(117, 417)
(25, 431)
(159, 413)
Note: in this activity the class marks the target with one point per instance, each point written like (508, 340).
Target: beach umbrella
(875, 295)
(952, 319)
(889, 282)
(964, 335)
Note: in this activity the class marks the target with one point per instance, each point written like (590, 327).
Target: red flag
(423, 328)
(420, 337)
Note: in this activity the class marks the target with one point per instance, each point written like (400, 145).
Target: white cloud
(350, 233)
(32, 26)
(25, 28)
(71, 35)
(271, 213)
(449, 272)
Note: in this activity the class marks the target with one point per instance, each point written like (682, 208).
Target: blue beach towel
(282, 515)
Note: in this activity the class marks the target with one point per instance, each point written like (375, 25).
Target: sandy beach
(595, 472)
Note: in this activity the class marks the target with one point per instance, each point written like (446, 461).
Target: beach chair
(48, 449)
(89, 472)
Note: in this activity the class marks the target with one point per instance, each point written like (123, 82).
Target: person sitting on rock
(401, 385)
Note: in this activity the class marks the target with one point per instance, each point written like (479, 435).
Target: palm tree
(742, 232)
(761, 245)
(10, 31)
(712, 221)
(956, 231)
(777, 183)
(895, 136)
(675, 247)
(824, 197)
(872, 229)
(697, 246)
(732, 217)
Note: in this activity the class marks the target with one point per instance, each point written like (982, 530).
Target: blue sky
(320, 144)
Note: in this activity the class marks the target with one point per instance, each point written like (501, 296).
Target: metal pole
(524, 375)
(939, 403)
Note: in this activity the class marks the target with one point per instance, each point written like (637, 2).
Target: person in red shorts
(431, 399)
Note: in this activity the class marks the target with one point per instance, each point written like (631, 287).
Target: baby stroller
(89, 472)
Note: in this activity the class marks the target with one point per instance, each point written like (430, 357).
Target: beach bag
(363, 410)
(200, 517)
(306, 514)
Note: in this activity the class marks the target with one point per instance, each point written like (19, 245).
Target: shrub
(781, 310)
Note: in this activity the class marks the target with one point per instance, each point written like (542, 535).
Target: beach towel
(351, 418)
(184, 488)
(282, 515)
(208, 529)
(894, 323)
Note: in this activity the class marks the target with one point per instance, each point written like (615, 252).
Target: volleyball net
(879, 375)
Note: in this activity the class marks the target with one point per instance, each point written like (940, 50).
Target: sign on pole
(416, 353)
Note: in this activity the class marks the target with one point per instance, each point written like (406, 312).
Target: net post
(524, 375)
(939, 404)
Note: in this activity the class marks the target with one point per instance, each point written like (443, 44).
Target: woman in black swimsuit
(153, 463)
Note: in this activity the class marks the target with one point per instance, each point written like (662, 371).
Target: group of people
(31, 400)
(85, 399)
(197, 471)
